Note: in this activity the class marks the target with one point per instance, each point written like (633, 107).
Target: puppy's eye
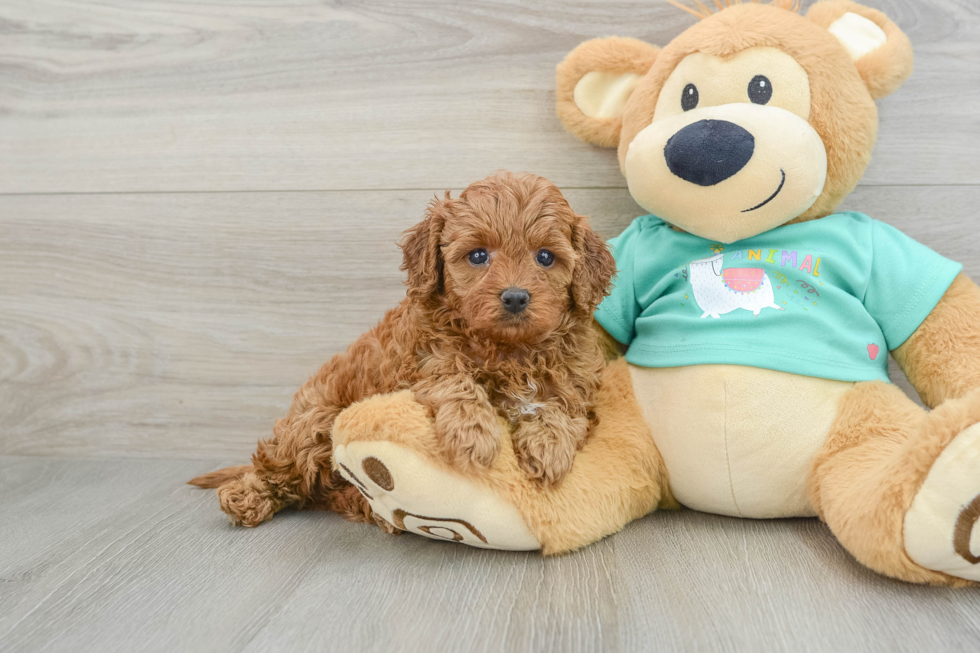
(545, 258)
(478, 256)
(760, 89)
(689, 97)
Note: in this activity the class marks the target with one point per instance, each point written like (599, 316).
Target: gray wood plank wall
(163, 287)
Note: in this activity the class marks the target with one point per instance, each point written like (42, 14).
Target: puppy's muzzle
(515, 300)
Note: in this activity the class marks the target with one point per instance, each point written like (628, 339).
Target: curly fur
(452, 343)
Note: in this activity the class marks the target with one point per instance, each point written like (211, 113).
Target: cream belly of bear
(738, 440)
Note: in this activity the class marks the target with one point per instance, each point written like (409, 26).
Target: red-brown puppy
(502, 284)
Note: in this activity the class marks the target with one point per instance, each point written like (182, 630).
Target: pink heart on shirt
(873, 351)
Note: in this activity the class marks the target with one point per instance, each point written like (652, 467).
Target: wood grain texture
(110, 95)
(180, 324)
(119, 555)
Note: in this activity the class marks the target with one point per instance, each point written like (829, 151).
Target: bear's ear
(880, 51)
(594, 82)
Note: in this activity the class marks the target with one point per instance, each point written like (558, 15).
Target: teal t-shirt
(827, 298)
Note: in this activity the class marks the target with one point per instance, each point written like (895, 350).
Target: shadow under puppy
(497, 321)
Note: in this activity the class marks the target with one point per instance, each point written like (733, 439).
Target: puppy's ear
(595, 81)
(594, 269)
(422, 258)
(881, 52)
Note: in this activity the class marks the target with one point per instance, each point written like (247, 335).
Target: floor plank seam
(432, 189)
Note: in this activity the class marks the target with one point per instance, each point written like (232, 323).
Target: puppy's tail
(215, 479)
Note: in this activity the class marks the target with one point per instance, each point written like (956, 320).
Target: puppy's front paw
(469, 436)
(546, 449)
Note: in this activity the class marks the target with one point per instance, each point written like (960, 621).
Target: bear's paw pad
(422, 497)
(942, 526)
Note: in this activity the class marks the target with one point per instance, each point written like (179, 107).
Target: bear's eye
(478, 256)
(760, 89)
(689, 98)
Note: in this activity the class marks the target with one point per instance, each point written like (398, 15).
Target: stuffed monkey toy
(756, 322)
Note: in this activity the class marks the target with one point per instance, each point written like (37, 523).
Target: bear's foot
(382, 447)
(387, 447)
(941, 526)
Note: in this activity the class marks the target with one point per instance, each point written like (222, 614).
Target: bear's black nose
(515, 299)
(708, 152)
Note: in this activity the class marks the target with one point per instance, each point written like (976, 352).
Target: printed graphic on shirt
(720, 291)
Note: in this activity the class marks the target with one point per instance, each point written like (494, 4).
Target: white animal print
(716, 298)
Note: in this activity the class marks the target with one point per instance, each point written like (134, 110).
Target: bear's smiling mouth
(771, 197)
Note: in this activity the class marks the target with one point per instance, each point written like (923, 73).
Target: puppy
(502, 284)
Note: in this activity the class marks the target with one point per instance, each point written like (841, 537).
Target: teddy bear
(741, 297)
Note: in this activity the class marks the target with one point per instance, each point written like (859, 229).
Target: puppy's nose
(515, 299)
(708, 152)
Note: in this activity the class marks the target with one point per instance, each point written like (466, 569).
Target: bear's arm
(942, 357)
(611, 348)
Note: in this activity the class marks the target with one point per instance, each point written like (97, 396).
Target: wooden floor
(101, 555)
(198, 205)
